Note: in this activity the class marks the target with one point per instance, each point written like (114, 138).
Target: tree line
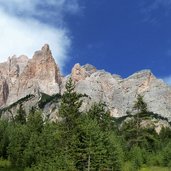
(83, 141)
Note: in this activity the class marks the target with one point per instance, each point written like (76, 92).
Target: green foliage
(99, 113)
(21, 115)
(142, 142)
(70, 104)
(41, 146)
(154, 159)
(4, 163)
(137, 157)
(70, 114)
(18, 139)
(155, 169)
(140, 105)
(57, 163)
(12, 169)
(4, 139)
(165, 135)
(82, 141)
(115, 153)
(35, 121)
(134, 133)
(90, 151)
(128, 166)
(167, 155)
(84, 135)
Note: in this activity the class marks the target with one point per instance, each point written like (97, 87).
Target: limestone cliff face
(119, 94)
(22, 76)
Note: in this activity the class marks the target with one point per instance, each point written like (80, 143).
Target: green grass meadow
(155, 169)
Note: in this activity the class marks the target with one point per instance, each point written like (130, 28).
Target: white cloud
(22, 31)
(37, 8)
(167, 79)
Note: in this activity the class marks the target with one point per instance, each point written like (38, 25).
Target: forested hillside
(83, 141)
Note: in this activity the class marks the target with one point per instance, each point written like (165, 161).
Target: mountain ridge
(21, 76)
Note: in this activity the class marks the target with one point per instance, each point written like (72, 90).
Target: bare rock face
(22, 76)
(119, 94)
(41, 74)
(9, 74)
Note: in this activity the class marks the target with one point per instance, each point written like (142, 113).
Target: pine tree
(70, 105)
(18, 139)
(21, 115)
(140, 105)
(35, 121)
(90, 147)
(99, 112)
(133, 131)
(98, 147)
(70, 113)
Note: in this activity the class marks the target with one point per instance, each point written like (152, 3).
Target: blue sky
(119, 36)
(124, 36)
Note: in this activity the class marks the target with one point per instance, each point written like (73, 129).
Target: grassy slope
(155, 169)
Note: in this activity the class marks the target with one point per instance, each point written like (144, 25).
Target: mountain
(22, 76)
(38, 82)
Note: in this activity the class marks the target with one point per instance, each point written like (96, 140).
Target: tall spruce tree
(70, 104)
(134, 132)
(70, 114)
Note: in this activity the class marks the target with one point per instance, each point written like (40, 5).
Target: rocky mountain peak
(20, 76)
(46, 48)
(23, 76)
(43, 54)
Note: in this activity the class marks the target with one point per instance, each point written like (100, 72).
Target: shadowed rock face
(22, 76)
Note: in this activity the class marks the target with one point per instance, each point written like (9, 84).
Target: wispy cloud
(25, 27)
(41, 8)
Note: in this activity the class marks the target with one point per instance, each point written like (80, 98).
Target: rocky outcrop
(22, 76)
(119, 94)
(80, 73)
